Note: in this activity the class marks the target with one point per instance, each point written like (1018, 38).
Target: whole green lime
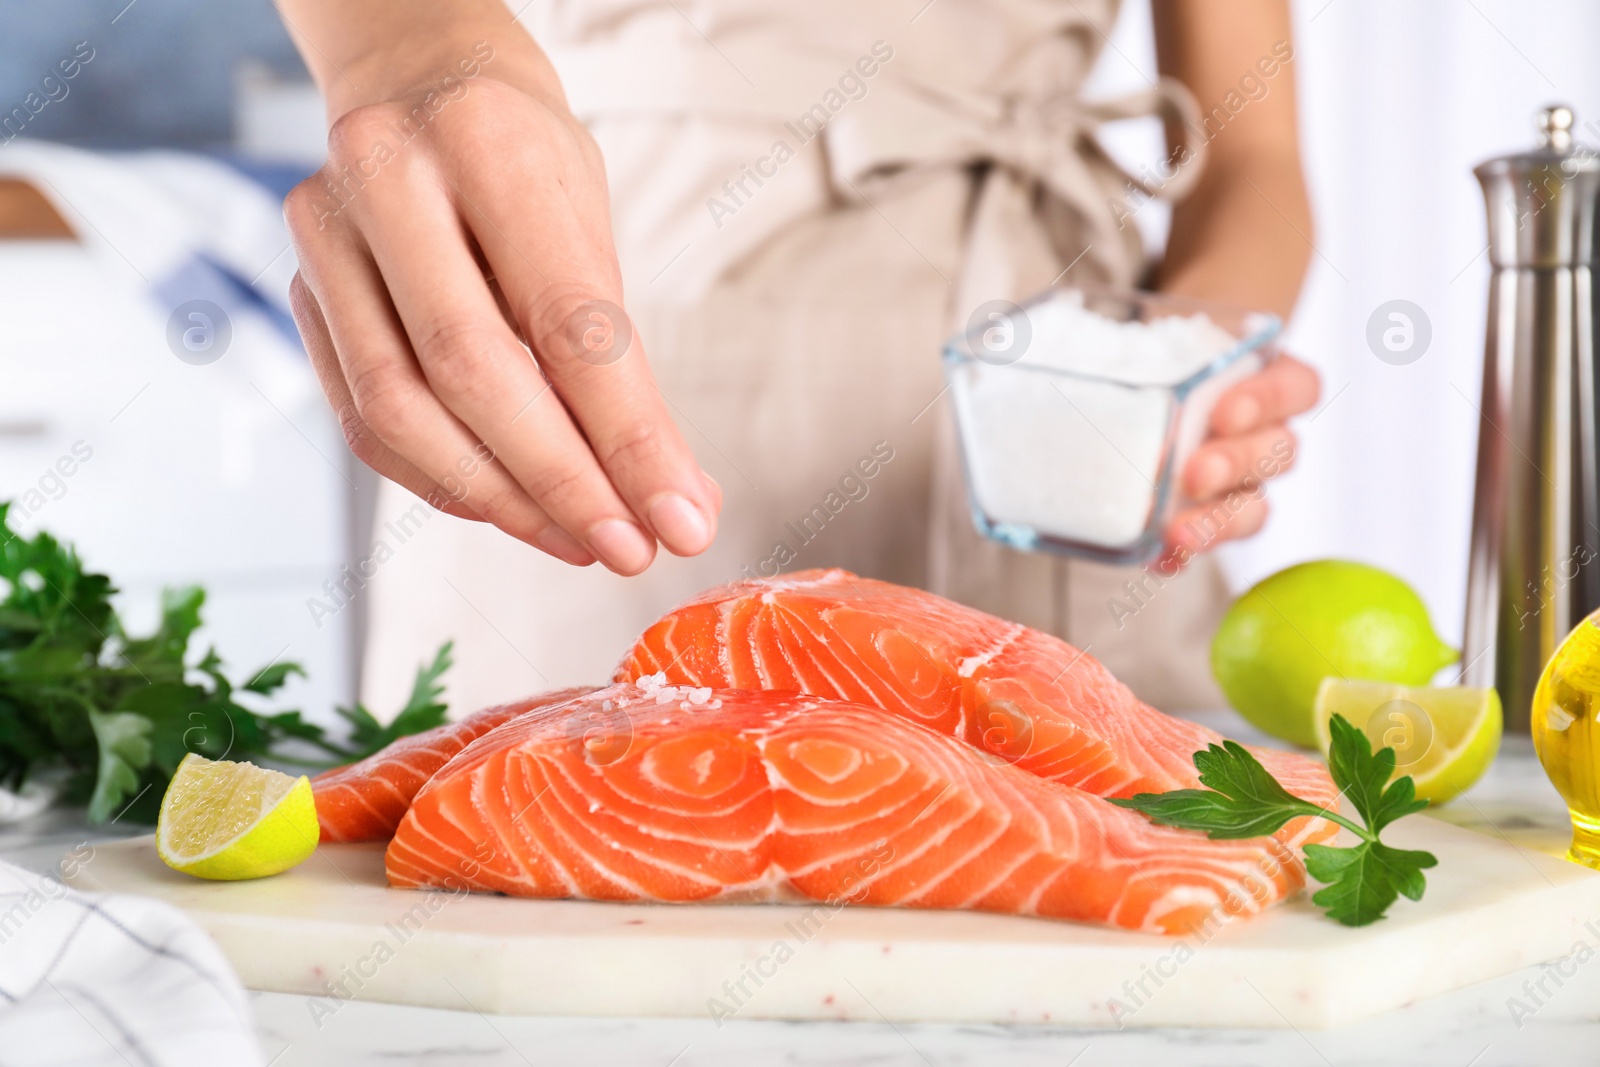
(1314, 620)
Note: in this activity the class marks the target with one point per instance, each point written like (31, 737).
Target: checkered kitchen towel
(95, 979)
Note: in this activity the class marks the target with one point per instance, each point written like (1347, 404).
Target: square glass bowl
(1069, 443)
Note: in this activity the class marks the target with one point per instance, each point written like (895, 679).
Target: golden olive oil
(1566, 733)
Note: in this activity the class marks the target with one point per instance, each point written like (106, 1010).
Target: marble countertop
(1535, 1016)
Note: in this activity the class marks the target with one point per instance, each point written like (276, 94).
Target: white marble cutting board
(331, 929)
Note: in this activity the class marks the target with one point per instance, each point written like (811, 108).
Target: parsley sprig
(115, 713)
(1242, 799)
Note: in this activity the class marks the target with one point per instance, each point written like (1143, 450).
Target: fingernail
(715, 489)
(564, 547)
(621, 546)
(680, 525)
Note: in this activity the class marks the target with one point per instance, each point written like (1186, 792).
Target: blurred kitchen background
(232, 473)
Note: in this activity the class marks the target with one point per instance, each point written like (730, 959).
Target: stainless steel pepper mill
(1534, 571)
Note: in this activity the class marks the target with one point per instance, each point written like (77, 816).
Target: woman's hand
(462, 215)
(1250, 443)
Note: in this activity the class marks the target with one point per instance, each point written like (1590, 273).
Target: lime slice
(1444, 738)
(230, 821)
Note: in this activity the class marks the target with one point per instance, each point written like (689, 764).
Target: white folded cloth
(92, 979)
(148, 213)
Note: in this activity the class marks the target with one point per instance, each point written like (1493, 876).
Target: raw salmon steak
(1023, 695)
(662, 793)
(364, 801)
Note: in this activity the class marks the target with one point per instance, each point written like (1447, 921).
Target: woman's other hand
(1250, 443)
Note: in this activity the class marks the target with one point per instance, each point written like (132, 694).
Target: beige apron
(808, 198)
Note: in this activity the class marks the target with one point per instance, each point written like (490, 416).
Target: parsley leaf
(123, 739)
(422, 712)
(1363, 881)
(1362, 773)
(1242, 799)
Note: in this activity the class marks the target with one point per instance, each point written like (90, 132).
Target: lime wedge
(230, 821)
(1443, 737)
